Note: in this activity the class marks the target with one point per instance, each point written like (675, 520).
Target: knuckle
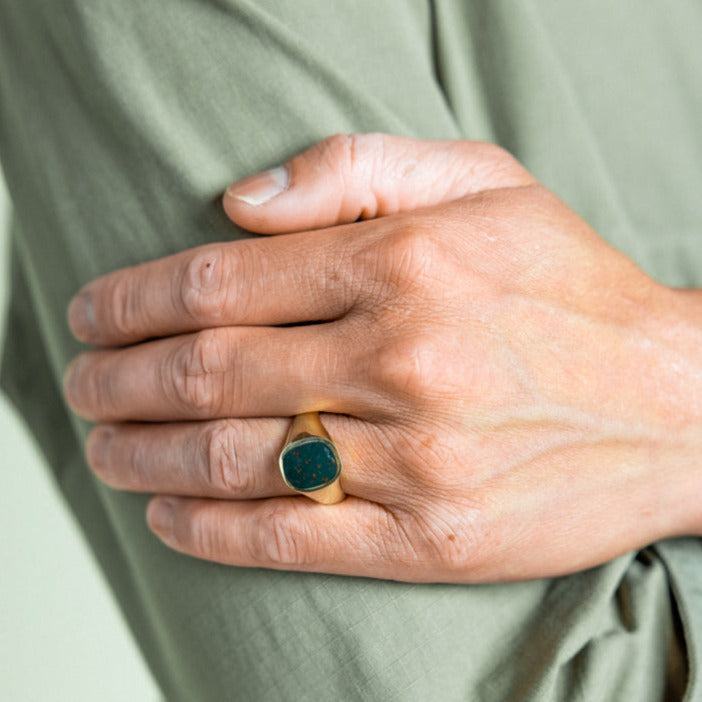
(408, 366)
(194, 372)
(357, 154)
(122, 306)
(333, 153)
(99, 390)
(453, 540)
(496, 161)
(425, 454)
(336, 145)
(137, 459)
(391, 538)
(198, 531)
(401, 540)
(203, 291)
(222, 461)
(280, 536)
(364, 150)
(360, 161)
(351, 149)
(410, 256)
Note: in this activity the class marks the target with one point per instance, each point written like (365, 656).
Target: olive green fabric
(120, 125)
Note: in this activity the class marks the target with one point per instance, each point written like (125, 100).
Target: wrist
(678, 393)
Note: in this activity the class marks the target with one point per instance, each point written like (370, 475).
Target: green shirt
(121, 123)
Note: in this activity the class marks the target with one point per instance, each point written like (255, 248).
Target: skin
(512, 398)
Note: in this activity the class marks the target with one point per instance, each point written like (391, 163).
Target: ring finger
(228, 458)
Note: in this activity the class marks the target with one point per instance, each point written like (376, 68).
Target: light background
(62, 638)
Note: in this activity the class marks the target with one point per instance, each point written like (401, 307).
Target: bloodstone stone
(310, 464)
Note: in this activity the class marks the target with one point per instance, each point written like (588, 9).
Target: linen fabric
(120, 126)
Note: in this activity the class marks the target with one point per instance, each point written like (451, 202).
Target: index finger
(291, 278)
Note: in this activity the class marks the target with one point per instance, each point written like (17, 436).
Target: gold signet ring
(309, 462)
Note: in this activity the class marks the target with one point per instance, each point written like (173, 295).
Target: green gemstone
(310, 463)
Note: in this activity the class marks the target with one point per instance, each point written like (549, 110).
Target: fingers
(287, 534)
(292, 279)
(229, 372)
(352, 176)
(229, 458)
(304, 278)
(254, 281)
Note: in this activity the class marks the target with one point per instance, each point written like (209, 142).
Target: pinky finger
(354, 537)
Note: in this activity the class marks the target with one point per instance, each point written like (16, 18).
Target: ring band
(309, 462)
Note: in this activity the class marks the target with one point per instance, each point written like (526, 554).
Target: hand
(511, 397)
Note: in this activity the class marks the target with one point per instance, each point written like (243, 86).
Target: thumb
(347, 177)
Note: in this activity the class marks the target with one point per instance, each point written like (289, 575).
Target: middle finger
(225, 372)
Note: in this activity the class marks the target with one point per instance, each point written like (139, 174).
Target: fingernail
(71, 380)
(260, 188)
(161, 515)
(81, 316)
(98, 447)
